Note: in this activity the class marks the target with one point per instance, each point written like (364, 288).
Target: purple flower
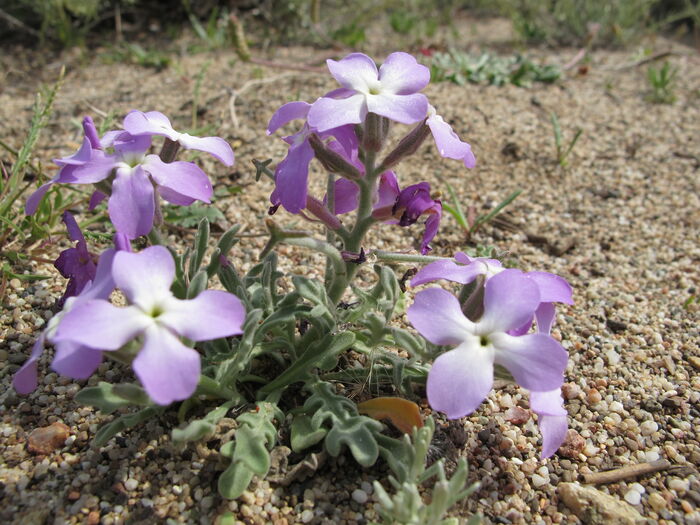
(461, 378)
(72, 359)
(168, 370)
(291, 174)
(391, 91)
(552, 288)
(551, 418)
(131, 204)
(76, 264)
(448, 143)
(155, 123)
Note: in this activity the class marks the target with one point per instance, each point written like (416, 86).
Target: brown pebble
(73, 495)
(517, 415)
(45, 440)
(570, 391)
(93, 518)
(573, 444)
(687, 507)
(694, 361)
(593, 396)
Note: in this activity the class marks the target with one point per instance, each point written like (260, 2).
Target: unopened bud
(375, 131)
(406, 147)
(332, 161)
(354, 257)
(321, 212)
(91, 133)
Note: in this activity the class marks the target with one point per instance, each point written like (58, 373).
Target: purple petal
(98, 168)
(35, 198)
(25, 379)
(552, 419)
(403, 75)
(167, 369)
(553, 289)
(91, 132)
(285, 114)
(75, 360)
(356, 71)
(151, 123)
(174, 197)
(431, 227)
(545, 316)
(210, 315)
(80, 157)
(436, 314)
(536, 361)
(291, 177)
(346, 196)
(522, 330)
(103, 284)
(459, 381)
(387, 190)
(122, 242)
(131, 206)
(510, 300)
(448, 270)
(132, 145)
(346, 137)
(95, 199)
(406, 109)
(101, 325)
(182, 177)
(328, 113)
(72, 227)
(143, 275)
(448, 143)
(215, 146)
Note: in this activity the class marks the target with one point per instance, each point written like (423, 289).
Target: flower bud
(375, 130)
(406, 147)
(332, 161)
(318, 210)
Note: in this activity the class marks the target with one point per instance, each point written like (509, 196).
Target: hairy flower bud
(406, 147)
(375, 131)
(332, 161)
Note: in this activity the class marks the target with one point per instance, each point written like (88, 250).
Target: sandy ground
(621, 223)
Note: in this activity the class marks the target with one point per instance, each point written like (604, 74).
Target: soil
(620, 222)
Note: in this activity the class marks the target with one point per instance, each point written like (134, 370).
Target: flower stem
(406, 257)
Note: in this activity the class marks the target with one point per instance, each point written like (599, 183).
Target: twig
(18, 23)
(579, 56)
(251, 83)
(293, 67)
(629, 471)
(637, 63)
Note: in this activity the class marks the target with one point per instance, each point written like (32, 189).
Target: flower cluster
(345, 125)
(496, 334)
(120, 166)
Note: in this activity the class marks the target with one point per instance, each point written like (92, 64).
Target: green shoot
(661, 81)
(563, 150)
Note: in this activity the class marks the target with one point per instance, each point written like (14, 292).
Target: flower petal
(545, 316)
(25, 379)
(75, 360)
(431, 226)
(403, 75)
(356, 71)
(286, 113)
(346, 197)
(406, 109)
(553, 288)
(146, 276)
(387, 190)
(436, 314)
(448, 143)
(174, 197)
(551, 418)
(35, 198)
(328, 113)
(459, 381)
(95, 199)
(98, 324)
(448, 270)
(185, 178)
(215, 146)
(510, 300)
(131, 206)
(168, 370)
(536, 361)
(291, 177)
(102, 285)
(210, 315)
(98, 168)
(150, 123)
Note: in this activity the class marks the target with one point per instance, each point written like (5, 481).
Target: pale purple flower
(448, 143)
(291, 174)
(155, 123)
(168, 370)
(461, 378)
(76, 264)
(391, 91)
(551, 418)
(71, 359)
(552, 288)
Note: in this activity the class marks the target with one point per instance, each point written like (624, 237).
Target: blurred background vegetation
(330, 22)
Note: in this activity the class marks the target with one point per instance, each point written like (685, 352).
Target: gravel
(626, 209)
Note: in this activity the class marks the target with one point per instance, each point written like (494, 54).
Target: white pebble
(680, 485)
(616, 406)
(360, 496)
(639, 488)
(651, 455)
(307, 516)
(539, 481)
(633, 497)
(648, 428)
(131, 484)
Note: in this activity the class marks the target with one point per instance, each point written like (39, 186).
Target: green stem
(209, 386)
(406, 257)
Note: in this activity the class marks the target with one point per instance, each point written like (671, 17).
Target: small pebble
(131, 484)
(647, 428)
(633, 497)
(657, 501)
(359, 496)
(680, 485)
(307, 516)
